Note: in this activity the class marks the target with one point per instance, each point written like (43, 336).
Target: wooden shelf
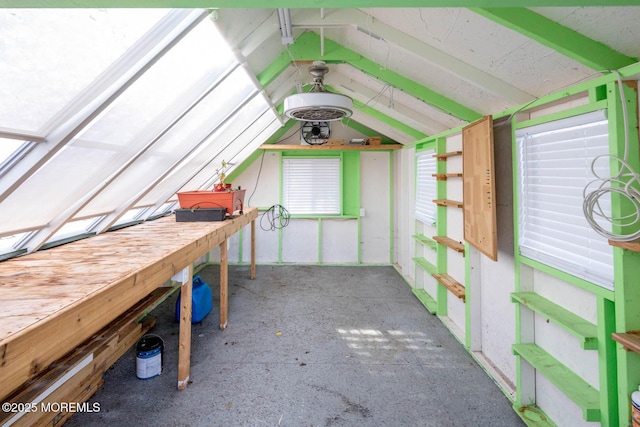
(426, 300)
(574, 387)
(425, 265)
(448, 203)
(444, 156)
(290, 147)
(451, 284)
(586, 331)
(630, 340)
(632, 246)
(424, 240)
(450, 243)
(444, 176)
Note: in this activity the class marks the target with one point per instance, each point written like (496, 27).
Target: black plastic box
(200, 214)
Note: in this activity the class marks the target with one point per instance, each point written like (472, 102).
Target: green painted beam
(358, 127)
(370, 111)
(306, 4)
(269, 74)
(426, 300)
(568, 42)
(584, 330)
(425, 265)
(574, 387)
(307, 48)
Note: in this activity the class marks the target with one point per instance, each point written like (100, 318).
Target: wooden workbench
(53, 300)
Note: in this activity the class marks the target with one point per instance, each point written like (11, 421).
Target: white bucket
(149, 356)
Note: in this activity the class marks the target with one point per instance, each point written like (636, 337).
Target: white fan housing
(318, 104)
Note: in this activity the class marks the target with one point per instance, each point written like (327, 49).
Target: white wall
(365, 240)
(375, 193)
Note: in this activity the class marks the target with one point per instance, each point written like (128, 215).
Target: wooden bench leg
(224, 285)
(184, 348)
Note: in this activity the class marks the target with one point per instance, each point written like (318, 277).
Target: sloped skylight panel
(200, 161)
(7, 148)
(54, 187)
(114, 138)
(201, 53)
(47, 56)
(230, 134)
(187, 135)
(250, 140)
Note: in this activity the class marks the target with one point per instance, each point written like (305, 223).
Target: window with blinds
(425, 187)
(311, 186)
(555, 161)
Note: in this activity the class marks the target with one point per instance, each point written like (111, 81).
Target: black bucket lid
(149, 342)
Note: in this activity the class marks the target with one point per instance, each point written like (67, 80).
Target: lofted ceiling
(414, 72)
(105, 132)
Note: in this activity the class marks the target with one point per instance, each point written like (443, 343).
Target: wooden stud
(443, 156)
(184, 346)
(448, 203)
(632, 246)
(451, 284)
(450, 243)
(630, 340)
(224, 285)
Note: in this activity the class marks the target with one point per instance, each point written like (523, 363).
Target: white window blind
(311, 186)
(425, 187)
(554, 168)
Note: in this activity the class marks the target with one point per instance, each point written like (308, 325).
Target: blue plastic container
(201, 301)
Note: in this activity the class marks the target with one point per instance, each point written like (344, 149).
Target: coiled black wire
(277, 217)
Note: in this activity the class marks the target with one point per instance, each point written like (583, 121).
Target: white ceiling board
(504, 53)
(399, 97)
(360, 20)
(238, 24)
(382, 104)
(616, 27)
(425, 74)
(283, 86)
(381, 128)
(387, 101)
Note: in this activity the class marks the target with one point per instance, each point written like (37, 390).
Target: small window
(425, 187)
(555, 166)
(311, 186)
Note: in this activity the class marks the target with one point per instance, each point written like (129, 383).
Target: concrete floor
(308, 346)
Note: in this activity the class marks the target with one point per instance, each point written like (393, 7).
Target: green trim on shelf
(426, 241)
(425, 265)
(568, 382)
(426, 300)
(533, 416)
(586, 331)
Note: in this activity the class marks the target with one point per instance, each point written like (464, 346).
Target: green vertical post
(441, 228)
(626, 262)
(607, 363)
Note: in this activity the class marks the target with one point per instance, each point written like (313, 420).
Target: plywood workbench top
(53, 300)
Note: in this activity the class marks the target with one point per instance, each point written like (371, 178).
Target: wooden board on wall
(479, 187)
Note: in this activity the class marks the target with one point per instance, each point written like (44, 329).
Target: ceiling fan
(318, 105)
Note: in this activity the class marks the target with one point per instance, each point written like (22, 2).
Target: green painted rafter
(372, 112)
(568, 42)
(307, 48)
